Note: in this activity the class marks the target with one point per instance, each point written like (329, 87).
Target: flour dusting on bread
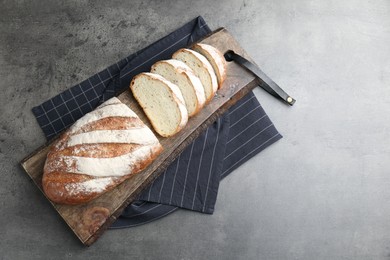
(98, 152)
(88, 187)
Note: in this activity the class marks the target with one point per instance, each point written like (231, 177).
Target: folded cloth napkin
(245, 130)
(192, 180)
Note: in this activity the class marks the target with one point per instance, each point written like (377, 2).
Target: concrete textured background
(322, 192)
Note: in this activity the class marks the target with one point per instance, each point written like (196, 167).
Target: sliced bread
(161, 101)
(190, 85)
(216, 59)
(202, 69)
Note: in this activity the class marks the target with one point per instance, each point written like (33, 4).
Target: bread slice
(190, 85)
(216, 59)
(202, 69)
(161, 101)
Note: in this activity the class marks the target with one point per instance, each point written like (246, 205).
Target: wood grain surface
(90, 220)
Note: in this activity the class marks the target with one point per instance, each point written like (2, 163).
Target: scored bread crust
(63, 182)
(183, 69)
(205, 64)
(216, 59)
(175, 93)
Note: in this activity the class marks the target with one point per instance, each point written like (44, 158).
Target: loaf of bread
(216, 59)
(190, 85)
(202, 69)
(101, 150)
(162, 102)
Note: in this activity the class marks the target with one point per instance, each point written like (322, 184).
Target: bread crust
(215, 57)
(66, 187)
(195, 82)
(176, 94)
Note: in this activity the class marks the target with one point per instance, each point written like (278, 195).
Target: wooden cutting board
(90, 220)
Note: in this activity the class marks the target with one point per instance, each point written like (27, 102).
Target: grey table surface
(322, 192)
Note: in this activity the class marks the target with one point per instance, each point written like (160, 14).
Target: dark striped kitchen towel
(192, 180)
(245, 130)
